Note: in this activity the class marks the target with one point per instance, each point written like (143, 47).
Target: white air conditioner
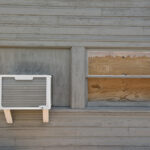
(25, 92)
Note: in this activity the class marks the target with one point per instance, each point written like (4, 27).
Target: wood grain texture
(85, 129)
(75, 21)
(118, 89)
(78, 3)
(79, 11)
(45, 113)
(68, 44)
(8, 116)
(105, 118)
(74, 132)
(101, 30)
(118, 63)
(81, 141)
(51, 61)
(67, 23)
(78, 77)
(76, 148)
(92, 21)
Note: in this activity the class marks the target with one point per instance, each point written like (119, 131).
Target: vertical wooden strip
(8, 116)
(78, 77)
(45, 115)
(1, 92)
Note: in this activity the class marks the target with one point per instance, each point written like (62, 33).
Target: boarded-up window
(118, 63)
(47, 61)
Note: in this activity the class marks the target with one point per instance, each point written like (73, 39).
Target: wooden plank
(7, 142)
(100, 21)
(73, 38)
(78, 77)
(118, 89)
(85, 148)
(30, 148)
(73, 132)
(118, 63)
(68, 44)
(78, 3)
(8, 116)
(101, 30)
(73, 20)
(74, 11)
(69, 132)
(120, 76)
(99, 121)
(45, 113)
(77, 147)
(82, 141)
(105, 103)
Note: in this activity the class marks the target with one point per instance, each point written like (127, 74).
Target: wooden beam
(8, 116)
(45, 115)
(119, 76)
(78, 77)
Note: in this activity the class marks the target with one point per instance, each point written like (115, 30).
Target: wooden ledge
(102, 110)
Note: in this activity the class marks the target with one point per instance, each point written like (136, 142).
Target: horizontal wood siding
(64, 24)
(77, 21)
(76, 129)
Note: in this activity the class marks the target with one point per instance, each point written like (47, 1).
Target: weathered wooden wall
(55, 24)
(51, 61)
(78, 129)
(77, 22)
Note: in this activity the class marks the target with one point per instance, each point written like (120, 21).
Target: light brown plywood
(118, 89)
(118, 63)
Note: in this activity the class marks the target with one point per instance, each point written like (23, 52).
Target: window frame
(106, 103)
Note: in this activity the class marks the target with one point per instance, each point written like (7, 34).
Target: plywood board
(118, 89)
(118, 63)
(51, 61)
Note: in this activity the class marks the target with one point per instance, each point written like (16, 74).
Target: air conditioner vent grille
(23, 93)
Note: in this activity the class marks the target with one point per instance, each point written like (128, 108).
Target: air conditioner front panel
(24, 93)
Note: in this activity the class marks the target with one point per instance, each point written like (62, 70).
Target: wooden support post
(8, 116)
(45, 115)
